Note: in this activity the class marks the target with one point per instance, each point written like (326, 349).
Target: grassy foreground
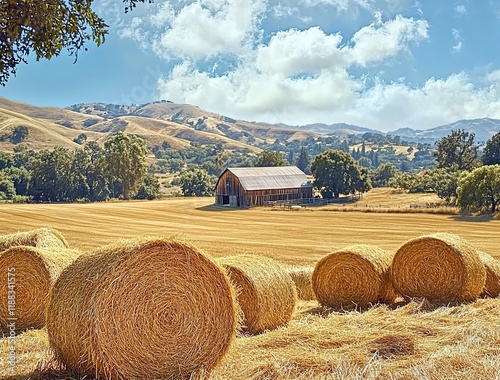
(414, 341)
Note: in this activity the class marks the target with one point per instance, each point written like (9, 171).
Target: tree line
(92, 173)
(119, 169)
(462, 176)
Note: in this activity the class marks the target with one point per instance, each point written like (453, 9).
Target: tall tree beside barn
(303, 160)
(126, 160)
(197, 182)
(270, 158)
(336, 173)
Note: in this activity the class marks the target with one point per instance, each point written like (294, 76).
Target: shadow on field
(473, 219)
(410, 306)
(48, 375)
(219, 208)
(49, 370)
(325, 312)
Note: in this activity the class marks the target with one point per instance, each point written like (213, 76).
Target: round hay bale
(492, 284)
(29, 273)
(440, 267)
(266, 293)
(45, 237)
(302, 277)
(142, 309)
(355, 276)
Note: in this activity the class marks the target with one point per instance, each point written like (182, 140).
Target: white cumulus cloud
(436, 102)
(200, 29)
(379, 41)
(296, 51)
(227, 62)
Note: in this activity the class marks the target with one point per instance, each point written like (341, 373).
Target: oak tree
(479, 190)
(46, 27)
(458, 150)
(491, 153)
(336, 173)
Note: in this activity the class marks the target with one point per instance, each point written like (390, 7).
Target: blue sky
(382, 64)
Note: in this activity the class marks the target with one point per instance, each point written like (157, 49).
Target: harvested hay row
(29, 274)
(355, 276)
(440, 267)
(41, 238)
(142, 309)
(492, 284)
(302, 277)
(267, 295)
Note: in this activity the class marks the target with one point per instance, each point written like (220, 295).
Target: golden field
(412, 341)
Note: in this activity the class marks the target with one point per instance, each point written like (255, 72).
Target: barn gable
(257, 185)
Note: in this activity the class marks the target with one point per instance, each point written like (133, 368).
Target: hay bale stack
(492, 284)
(142, 309)
(440, 267)
(302, 277)
(355, 276)
(266, 293)
(45, 237)
(29, 273)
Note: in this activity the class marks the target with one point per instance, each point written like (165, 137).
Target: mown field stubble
(413, 341)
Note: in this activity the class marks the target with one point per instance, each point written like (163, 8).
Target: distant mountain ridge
(483, 129)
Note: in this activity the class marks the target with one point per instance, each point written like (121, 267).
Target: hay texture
(142, 309)
(492, 284)
(28, 274)
(302, 278)
(266, 293)
(41, 238)
(355, 276)
(440, 267)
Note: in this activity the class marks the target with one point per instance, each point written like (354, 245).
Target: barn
(256, 186)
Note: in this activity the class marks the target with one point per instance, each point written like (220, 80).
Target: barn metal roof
(267, 178)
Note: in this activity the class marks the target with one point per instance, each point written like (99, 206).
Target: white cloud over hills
(272, 61)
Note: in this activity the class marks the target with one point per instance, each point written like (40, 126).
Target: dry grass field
(413, 341)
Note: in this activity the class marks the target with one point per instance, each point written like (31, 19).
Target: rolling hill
(182, 124)
(177, 124)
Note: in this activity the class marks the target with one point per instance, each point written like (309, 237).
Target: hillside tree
(126, 161)
(19, 134)
(479, 190)
(270, 158)
(458, 150)
(336, 173)
(303, 161)
(44, 28)
(491, 153)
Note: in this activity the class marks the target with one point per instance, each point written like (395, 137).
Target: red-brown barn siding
(230, 191)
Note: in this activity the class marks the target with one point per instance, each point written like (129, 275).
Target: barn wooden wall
(229, 191)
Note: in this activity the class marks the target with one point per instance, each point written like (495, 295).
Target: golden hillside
(177, 124)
